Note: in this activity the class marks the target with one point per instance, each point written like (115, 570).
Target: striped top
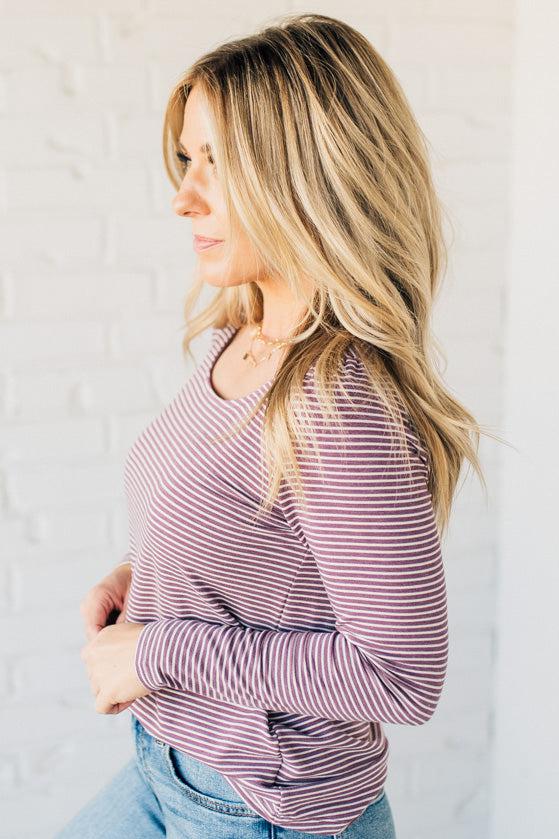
(276, 647)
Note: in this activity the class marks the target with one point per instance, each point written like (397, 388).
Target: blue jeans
(165, 792)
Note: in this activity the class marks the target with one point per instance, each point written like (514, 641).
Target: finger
(104, 706)
(94, 622)
(95, 609)
(93, 630)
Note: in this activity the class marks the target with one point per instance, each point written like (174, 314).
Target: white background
(94, 266)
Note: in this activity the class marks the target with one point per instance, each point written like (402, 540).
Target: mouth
(203, 243)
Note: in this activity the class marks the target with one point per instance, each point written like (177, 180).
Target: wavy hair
(325, 168)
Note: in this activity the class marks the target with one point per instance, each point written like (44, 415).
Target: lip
(203, 243)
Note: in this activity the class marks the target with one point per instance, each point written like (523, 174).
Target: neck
(281, 312)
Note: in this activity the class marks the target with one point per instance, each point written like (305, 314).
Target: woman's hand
(109, 657)
(110, 595)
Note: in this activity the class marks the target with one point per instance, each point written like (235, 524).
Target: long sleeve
(371, 529)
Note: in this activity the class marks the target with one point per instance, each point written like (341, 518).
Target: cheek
(242, 255)
(240, 266)
(238, 254)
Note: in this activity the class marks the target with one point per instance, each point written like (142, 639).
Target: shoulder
(361, 415)
(220, 334)
(218, 331)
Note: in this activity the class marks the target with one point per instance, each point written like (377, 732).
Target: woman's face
(200, 198)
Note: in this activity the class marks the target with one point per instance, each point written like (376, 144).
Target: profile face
(200, 199)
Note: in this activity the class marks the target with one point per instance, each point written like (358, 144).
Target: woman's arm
(371, 530)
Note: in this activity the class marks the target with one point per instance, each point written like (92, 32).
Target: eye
(183, 159)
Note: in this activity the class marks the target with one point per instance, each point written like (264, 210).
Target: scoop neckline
(228, 333)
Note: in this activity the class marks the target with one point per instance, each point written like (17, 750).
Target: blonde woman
(283, 595)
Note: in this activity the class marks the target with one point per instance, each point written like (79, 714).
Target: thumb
(122, 616)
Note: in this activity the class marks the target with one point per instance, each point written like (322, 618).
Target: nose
(181, 205)
(188, 202)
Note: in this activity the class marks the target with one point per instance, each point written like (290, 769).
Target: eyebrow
(205, 148)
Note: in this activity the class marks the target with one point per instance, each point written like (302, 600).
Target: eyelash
(184, 160)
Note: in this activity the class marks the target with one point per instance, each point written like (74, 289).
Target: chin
(221, 281)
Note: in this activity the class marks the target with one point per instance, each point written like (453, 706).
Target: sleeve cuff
(161, 653)
(146, 657)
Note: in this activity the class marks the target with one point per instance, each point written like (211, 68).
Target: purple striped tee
(275, 649)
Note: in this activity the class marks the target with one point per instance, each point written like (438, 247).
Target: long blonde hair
(326, 170)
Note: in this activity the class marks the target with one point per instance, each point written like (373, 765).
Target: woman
(284, 592)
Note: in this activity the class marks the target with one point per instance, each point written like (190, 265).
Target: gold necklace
(276, 344)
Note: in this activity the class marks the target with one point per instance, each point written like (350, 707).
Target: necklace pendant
(275, 344)
(251, 358)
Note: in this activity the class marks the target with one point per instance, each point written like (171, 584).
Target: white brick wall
(526, 677)
(93, 270)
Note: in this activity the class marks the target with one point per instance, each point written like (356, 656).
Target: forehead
(196, 128)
